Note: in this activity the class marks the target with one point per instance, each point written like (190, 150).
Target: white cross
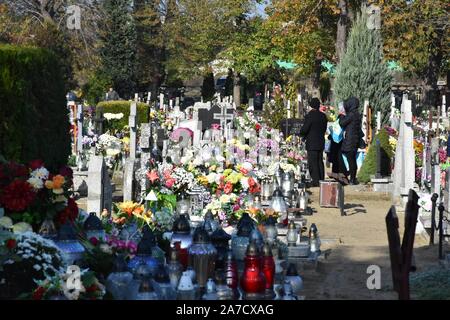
(223, 116)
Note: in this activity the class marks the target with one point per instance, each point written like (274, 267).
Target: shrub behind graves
(34, 122)
(122, 107)
(369, 166)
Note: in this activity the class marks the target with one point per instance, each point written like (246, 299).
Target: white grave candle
(136, 97)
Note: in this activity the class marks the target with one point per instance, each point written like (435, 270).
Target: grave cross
(223, 116)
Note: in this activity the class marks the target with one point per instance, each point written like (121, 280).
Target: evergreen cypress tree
(119, 51)
(150, 46)
(362, 72)
(208, 88)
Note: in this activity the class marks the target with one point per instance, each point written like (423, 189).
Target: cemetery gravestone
(404, 171)
(291, 127)
(99, 186)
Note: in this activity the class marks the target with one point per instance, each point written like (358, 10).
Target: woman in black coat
(351, 124)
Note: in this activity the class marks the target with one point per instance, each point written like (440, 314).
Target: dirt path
(361, 241)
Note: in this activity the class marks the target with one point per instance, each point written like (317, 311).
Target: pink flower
(170, 182)
(236, 207)
(228, 187)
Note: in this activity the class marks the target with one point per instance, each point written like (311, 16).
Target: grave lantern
(220, 240)
(68, 243)
(48, 230)
(286, 184)
(279, 177)
(119, 280)
(211, 291)
(268, 268)
(210, 224)
(241, 240)
(292, 234)
(183, 204)
(163, 286)
(277, 203)
(133, 287)
(294, 279)
(93, 227)
(182, 234)
(253, 281)
(202, 256)
(271, 231)
(174, 268)
(144, 252)
(146, 291)
(314, 240)
(185, 290)
(231, 274)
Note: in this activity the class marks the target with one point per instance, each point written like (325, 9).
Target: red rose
(69, 213)
(36, 164)
(38, 293)
(257, 127)
(17, 196)
(228, 187)
(93, 240)
(11, 243)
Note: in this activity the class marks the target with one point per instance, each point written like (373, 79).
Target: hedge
(122, 107)
(34, 121)
(369, 166)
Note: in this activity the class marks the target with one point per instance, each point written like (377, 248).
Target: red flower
(11, 243)
(17, 196)
(38, 293)
(92, 288)
(257, 127)
(66, 172)
(244, 171)
(93, 240)
(228, 187)
(17, 170)
(251, 182)
(36, 164)
(69, 213)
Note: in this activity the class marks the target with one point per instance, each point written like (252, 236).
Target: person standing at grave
(112, 95)
(313, 130)
(351, 124)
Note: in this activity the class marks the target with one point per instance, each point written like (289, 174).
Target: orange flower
(138, 210)
(58, 181)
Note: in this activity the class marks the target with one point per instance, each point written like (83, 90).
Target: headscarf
(351, 104)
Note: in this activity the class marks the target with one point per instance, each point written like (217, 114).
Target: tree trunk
(433, 71)
(341, 35)
(237, 90)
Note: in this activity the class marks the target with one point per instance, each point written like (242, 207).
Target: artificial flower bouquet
(31, 193)
(57, 288)
(26, 258)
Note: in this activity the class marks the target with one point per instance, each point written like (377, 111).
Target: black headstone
(161, 137)
(206, 117)
(291, 127)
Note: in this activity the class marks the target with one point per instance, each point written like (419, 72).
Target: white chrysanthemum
(40, 173)
(247, 135)
(244, 183)
(211, 177)
(36, 183)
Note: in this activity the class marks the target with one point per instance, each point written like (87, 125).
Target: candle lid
(252, 250)
(267, 251)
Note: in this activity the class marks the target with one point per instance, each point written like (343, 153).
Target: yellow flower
(49, 184)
